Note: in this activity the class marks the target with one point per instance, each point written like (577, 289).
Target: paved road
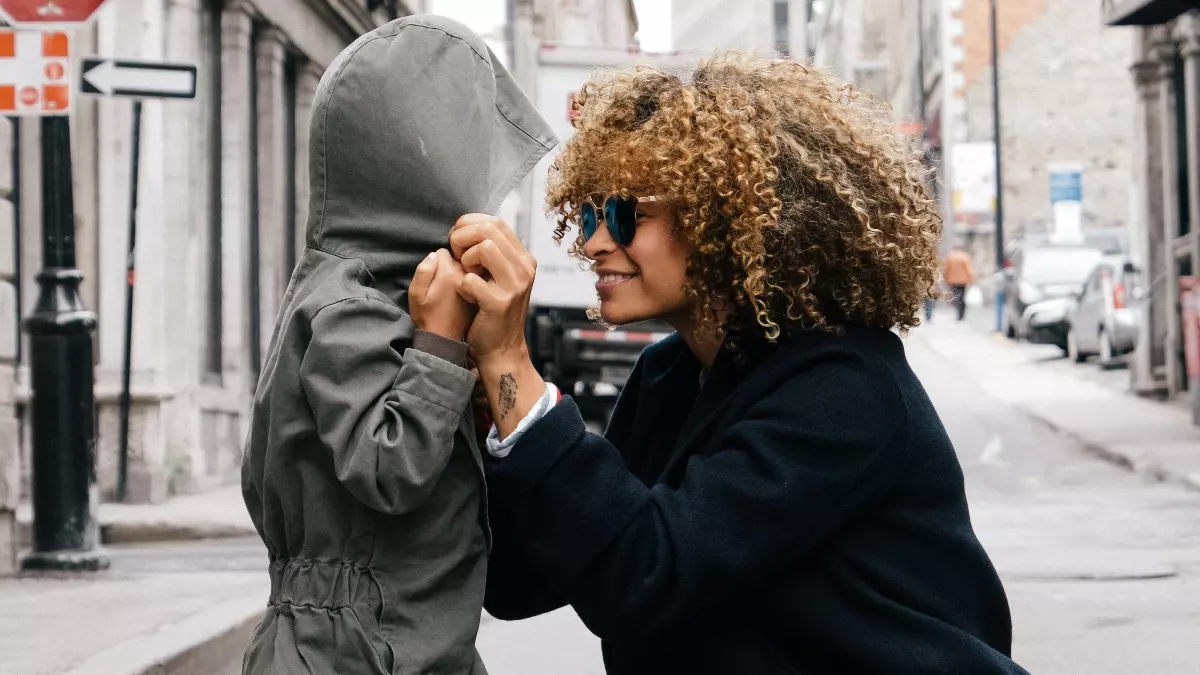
(1102, 568)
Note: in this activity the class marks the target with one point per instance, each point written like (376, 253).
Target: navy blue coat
(803, 512)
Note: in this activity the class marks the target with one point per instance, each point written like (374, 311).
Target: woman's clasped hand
(497, 274)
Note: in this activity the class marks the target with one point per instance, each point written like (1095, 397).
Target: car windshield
(1060, 265)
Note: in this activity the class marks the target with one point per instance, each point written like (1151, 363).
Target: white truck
(583, 359)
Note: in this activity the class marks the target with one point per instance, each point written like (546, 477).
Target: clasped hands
(478, 292)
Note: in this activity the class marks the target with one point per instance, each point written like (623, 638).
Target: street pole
(921, 114)
(65, 533)
(999, 179)
(130, 271)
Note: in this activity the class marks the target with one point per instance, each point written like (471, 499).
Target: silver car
(1104, 320)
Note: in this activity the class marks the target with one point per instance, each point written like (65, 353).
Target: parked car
(1049, 322)
(1043, 273)
(1103, 320)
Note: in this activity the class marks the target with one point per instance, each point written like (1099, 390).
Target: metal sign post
(65, 497)
(140, 80)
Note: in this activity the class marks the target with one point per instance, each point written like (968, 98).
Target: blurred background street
(1063, 140)
(1102, 565)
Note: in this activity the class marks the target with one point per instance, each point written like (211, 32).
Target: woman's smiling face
(645, 279)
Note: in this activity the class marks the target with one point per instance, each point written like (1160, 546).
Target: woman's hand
(433, 299)
(499, 278)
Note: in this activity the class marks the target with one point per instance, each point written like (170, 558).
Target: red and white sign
(49, 13)
(35, 72)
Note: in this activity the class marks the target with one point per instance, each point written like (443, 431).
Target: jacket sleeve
(388, 412)
(633, 560)
(516, 588)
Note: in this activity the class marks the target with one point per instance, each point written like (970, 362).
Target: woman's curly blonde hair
(801, 205)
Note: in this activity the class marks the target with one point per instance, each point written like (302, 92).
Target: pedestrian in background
(775, 492)
(362, 472)
(959, 274)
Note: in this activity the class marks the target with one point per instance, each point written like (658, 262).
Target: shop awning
(1144, 12)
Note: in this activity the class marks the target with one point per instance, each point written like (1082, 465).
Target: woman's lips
(607, 281)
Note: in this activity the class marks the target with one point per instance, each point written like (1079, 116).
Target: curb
(150, 532)
(212, 642)
(1130, 461)
(1125, 460)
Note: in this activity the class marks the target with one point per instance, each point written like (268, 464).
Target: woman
(775, 492)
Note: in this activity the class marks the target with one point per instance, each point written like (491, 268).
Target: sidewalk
(209, 515)
(1152, 438)
(115, 624)
(183, 604)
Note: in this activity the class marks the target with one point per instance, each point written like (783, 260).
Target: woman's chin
(614, 314)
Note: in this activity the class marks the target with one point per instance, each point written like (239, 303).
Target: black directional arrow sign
(110, 77)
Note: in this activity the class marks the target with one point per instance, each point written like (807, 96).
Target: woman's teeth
(614, 278)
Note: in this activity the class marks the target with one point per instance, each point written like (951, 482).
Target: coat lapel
(714, 397)
(666, 395)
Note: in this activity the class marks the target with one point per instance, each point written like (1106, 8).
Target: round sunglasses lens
(621, 217)
(587, 218)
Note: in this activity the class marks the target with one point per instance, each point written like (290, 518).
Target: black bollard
(65, 533)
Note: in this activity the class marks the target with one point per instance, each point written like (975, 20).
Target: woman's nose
(601, 243)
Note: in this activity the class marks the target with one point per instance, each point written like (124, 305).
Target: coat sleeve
(516, 588)
(387, 412)
(634, 560)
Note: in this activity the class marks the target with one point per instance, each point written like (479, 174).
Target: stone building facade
(1165, 155)
(1065, 96)
(223, 199)
(764, 26)
(10, 456)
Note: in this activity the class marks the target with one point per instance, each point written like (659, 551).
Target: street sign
(49, 13)
(35, 72)
(1066, 201)
(138, 79)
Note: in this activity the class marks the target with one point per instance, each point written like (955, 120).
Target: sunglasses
(619, 214)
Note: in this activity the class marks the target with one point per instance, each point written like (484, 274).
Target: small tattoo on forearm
(508, 394)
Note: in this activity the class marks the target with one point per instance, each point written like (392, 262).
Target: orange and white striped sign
(35, 72)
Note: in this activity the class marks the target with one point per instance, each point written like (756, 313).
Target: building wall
(851, 38)
(10, 459)
(583, 22)
(1066, 95)
(711, 25)
(222, 206)
(762, 26)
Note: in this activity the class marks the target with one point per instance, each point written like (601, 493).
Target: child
(362, 472)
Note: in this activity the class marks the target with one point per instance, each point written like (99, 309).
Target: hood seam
(337, 79)
(522, 129)
(449, 34)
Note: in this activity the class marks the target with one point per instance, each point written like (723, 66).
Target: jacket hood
(414, 124)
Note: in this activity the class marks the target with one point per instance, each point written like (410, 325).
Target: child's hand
(433, 299)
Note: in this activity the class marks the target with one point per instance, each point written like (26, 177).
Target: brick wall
(1066, 95)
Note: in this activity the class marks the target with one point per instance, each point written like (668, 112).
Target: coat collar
(727, 372)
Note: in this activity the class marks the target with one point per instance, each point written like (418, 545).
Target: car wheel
(1106, 348)
(1073, 352)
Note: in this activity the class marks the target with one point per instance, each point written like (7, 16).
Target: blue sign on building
(1066, 184)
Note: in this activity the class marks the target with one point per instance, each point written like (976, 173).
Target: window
(290, 226)
(211, 25)
(1179, 84)
(255, 304)
(782, 42)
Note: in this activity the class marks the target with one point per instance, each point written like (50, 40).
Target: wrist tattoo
(508, 394)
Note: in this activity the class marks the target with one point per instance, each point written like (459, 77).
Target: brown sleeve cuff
(444, 348)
